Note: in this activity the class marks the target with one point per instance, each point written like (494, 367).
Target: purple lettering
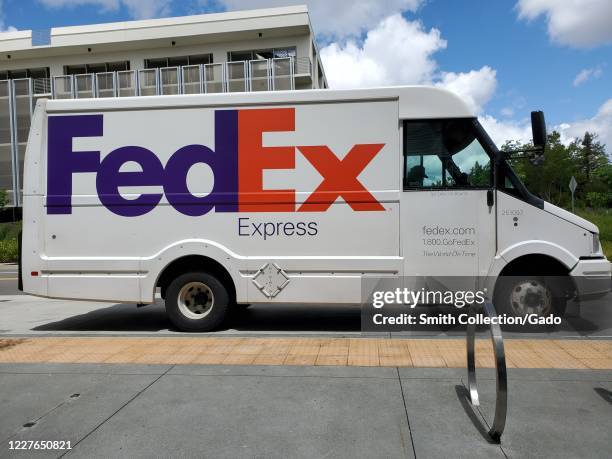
(109, 180)
(223, 162)
(62, 161)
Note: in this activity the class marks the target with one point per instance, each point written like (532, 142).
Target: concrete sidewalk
(248, 411)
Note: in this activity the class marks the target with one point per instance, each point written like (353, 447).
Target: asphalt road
(8, 280)
(23, 315)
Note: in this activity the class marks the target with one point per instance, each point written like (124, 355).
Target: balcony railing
(302, 65)
(241, 76)
(18, 97)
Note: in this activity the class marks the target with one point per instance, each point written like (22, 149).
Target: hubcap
(531, 297)
(195, 300)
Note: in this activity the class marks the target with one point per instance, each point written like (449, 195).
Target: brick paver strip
(383, 352)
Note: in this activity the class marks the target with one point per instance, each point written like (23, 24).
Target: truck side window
(444, 154)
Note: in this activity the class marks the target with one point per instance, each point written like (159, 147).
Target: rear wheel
(196, 301)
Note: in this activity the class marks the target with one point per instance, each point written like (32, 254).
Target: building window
(156, 63)
(234, 56)
(178, 61)
(237, 56)
(42, 72)
(201, 59)
(96, 68)
(117, 66)
(75, 69)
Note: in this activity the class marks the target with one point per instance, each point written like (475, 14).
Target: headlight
(595, 243)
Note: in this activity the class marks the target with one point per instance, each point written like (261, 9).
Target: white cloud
(138, 9)
(475, 87)
(601, 124)
(144, 9)
(395, 51)
(502, 131)
(147, 8)
(3, 26)
(383, 59)
(333, 18)
(578, 23)
(588, 74)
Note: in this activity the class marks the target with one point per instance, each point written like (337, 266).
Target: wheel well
(196, 263)
(545, 266)
(541, 265)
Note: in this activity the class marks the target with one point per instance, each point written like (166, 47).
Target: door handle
(490, 198)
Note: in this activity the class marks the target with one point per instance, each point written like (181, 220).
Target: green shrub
(9, 230)
(607, 249)
(603, 219)
(8, 251)
(598, 200)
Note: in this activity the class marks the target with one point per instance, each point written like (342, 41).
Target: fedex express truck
(281, 197)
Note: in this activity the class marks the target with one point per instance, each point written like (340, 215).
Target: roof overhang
(156, 33)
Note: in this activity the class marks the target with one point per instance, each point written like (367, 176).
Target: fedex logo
(237, 161)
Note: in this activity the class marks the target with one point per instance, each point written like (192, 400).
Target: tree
(583, 158)
(556, 172)
(590, 156)
(479, 175)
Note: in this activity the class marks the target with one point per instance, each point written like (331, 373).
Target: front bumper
(592, 278)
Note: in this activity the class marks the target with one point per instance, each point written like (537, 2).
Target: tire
(522, 295)
(196, 302)
(238, 309)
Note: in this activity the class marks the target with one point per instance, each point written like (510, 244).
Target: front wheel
(524, 295)
(196, 302)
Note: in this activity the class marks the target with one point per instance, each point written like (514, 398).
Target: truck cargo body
(312, 190)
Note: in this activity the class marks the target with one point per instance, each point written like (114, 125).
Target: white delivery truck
(283, 197)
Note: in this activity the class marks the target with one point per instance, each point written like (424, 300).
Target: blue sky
(532, 72)
(507, 57)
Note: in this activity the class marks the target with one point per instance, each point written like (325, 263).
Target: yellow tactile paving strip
(437, 353)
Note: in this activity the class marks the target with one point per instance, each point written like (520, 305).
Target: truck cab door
(447, 208)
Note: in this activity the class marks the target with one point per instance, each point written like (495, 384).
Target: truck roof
(415, 102)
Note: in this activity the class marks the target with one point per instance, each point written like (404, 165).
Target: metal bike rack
(501, 392)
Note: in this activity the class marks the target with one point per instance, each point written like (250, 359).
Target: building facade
(257, 50)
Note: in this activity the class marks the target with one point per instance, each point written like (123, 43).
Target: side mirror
(538, 130)
(534, 154)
